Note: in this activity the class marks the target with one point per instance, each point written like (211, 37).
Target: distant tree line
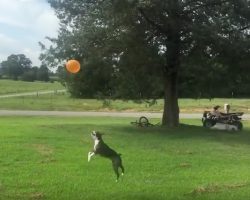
(19, 67)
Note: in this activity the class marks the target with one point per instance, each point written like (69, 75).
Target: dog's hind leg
(119, 162)
(115, 167)
(122, 169)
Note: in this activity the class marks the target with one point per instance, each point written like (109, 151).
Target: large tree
(145, 44)
(16, 65)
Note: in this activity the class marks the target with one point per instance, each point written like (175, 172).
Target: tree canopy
(143, 49)
(18, 66)
(15, 65)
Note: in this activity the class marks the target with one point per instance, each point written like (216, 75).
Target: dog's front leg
(90, 154)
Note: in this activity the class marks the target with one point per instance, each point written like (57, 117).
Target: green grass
(46, 158)
(64, 102)
(9, 86)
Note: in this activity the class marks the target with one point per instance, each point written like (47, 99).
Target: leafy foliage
(20, 67)
(16, 65)
(144, 49)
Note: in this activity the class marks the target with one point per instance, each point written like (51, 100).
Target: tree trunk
(171, 109)
(171, 71)
(171, 31)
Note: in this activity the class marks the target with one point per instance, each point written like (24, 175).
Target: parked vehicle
(234, 119)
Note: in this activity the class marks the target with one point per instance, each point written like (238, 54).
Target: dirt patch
(48, 160)
(235, 186)
(184, 152)
(206, 189)
(43, 149)
(214, 188)
(185, 165)
(38, 195)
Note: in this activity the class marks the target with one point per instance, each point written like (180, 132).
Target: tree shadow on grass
(186, 132)
(183, 132)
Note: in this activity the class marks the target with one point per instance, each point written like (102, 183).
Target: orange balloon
(73, 66)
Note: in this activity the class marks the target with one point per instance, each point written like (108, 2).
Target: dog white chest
(96, 144)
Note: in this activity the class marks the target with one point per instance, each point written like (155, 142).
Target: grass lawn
(63, 101)
(9, 86)
(46, 158)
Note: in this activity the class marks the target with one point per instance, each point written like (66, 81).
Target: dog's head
(96, 135)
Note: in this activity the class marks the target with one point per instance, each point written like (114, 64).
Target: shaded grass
(46, 158)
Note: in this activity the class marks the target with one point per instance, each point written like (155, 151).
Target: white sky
(23, 23)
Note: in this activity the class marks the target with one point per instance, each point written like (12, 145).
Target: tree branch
(244, 28)
(152, 23)
(239, 29)
(211, 3)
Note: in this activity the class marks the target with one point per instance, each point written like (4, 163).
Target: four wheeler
(231, 119)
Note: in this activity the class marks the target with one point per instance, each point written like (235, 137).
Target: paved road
(101, 114)
(31, 93)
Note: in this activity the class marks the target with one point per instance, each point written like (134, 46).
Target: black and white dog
(102, 149)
